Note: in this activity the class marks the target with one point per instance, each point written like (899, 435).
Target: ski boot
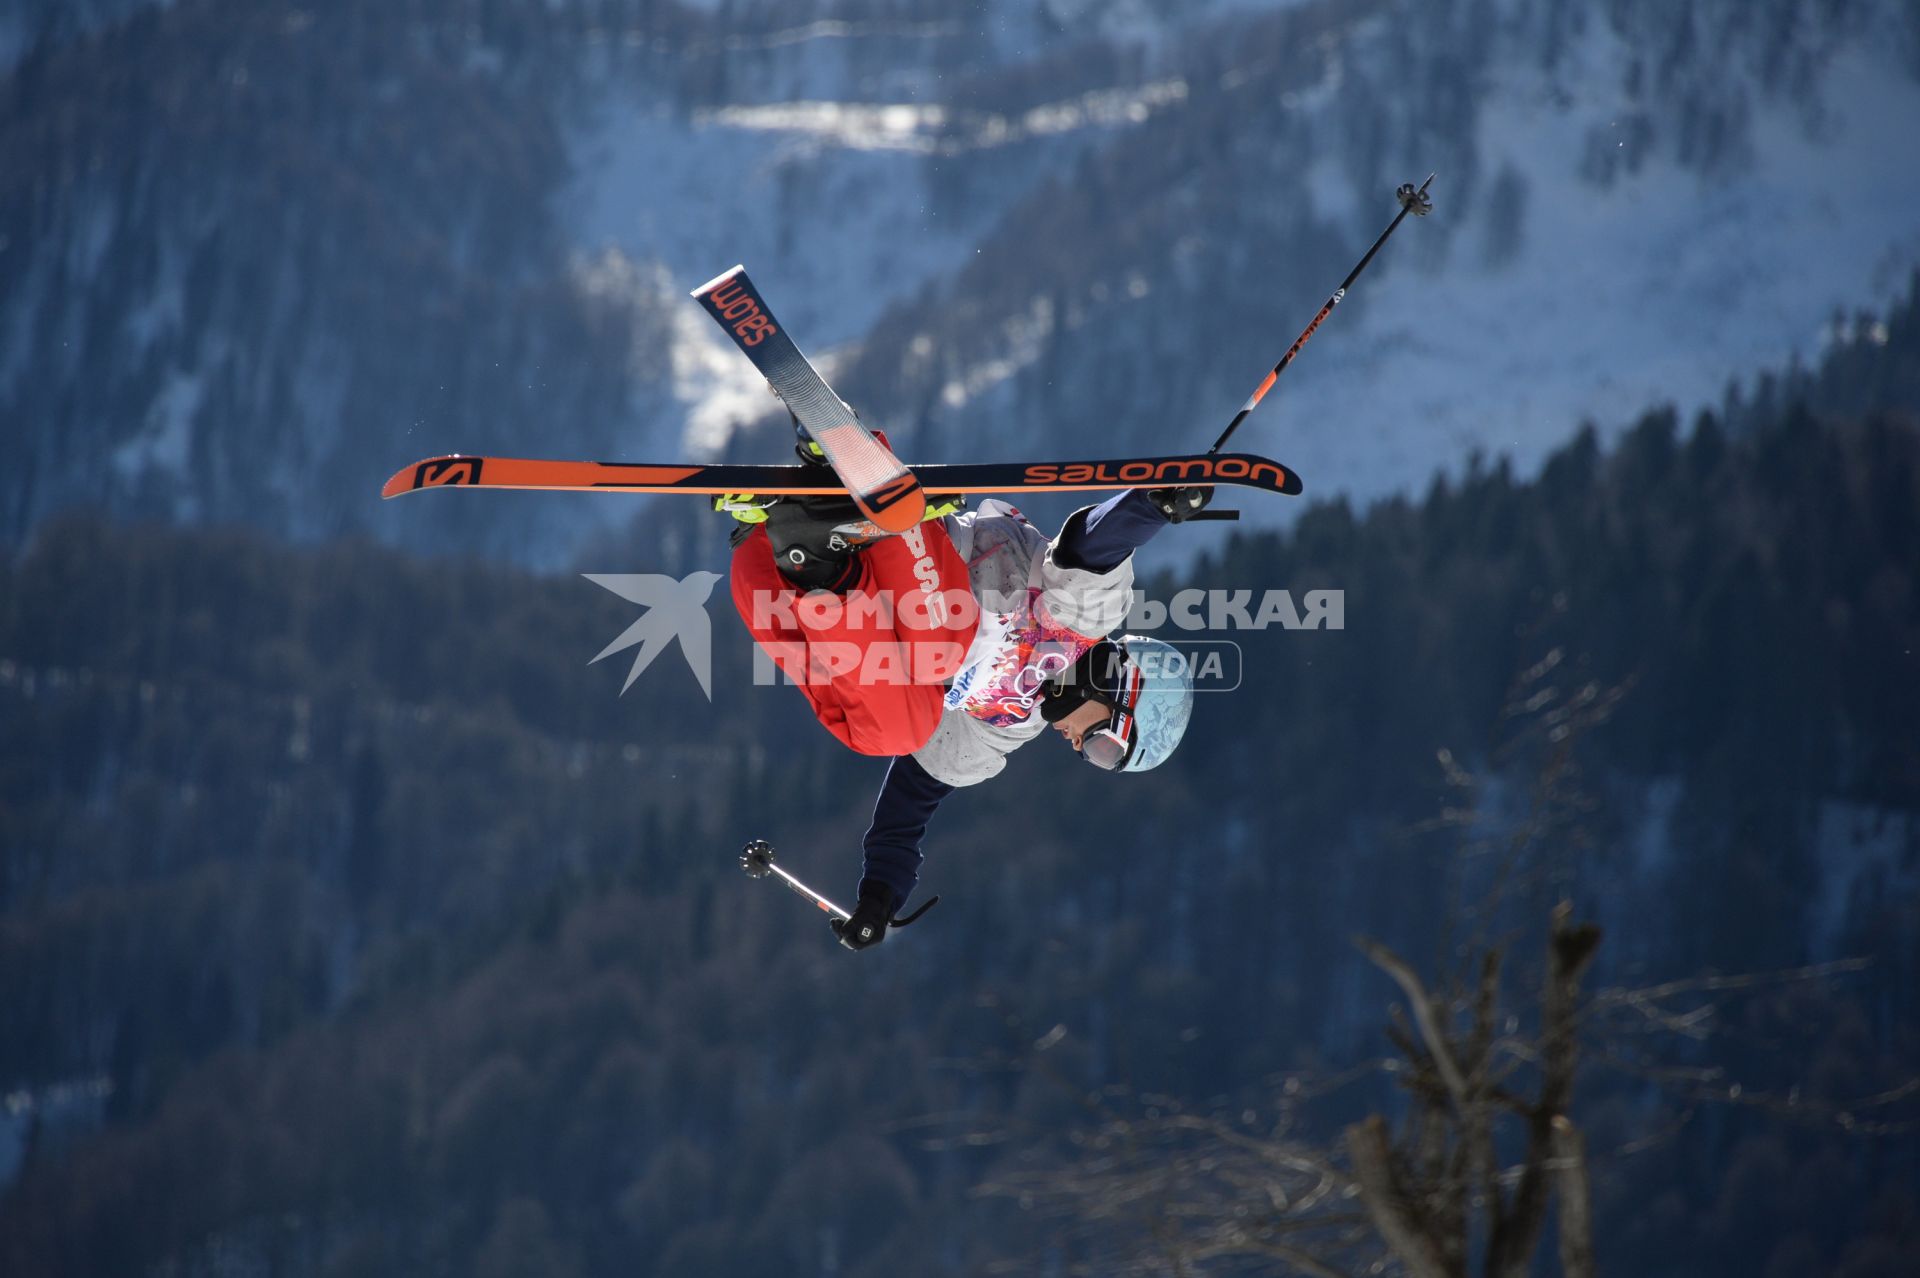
(815, 537)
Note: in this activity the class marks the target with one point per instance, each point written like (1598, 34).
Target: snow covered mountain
(1636, 203)
(255, 256)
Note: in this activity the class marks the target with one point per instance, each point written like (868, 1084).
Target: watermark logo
(1235, 610)
(930, 636)
(676, 609)
(1207, 665)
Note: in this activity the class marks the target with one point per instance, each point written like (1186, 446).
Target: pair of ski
(886, 491)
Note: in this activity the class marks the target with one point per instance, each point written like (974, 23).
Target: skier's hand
(1179, 503)
(868, 926)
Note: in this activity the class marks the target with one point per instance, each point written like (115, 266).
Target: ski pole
(1412, 201)
(757, 860)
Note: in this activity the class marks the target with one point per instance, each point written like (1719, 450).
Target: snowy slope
(830, 202)
(1629, 265)
(1663, 288)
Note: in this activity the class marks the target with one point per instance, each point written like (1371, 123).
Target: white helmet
(1148, 684)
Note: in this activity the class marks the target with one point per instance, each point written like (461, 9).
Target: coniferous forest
(351, 924)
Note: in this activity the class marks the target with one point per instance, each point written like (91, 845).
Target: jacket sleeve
(900, 815)
(1100, 538)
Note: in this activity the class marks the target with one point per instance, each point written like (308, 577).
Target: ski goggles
(1108, 748)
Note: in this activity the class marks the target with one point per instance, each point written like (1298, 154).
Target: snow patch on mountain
(1147, 23)
(826, 202)
(51, 1116)
(929, 129)
(163, 311)
(720, 390)
(1865, 852)
(693, 390)
(165, 441)
(832, 240)
(859, 126)
(840, 29)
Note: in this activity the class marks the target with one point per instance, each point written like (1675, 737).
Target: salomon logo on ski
(443, 471)
(1255, 471)
(742, 312)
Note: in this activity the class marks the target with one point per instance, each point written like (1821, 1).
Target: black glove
(868, 926)
(1179, 503)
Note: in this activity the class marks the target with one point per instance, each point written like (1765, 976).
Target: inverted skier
(951, 645)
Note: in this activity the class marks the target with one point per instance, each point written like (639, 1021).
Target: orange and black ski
(1239, 470)
(882, 487)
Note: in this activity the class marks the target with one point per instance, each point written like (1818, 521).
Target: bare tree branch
(1615, 996)
(1394, 1214)
(1424, 1015)
(1576, 1199)
(1570, 948)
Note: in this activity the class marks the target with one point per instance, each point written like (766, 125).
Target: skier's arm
(900, 815)
(1099, 538)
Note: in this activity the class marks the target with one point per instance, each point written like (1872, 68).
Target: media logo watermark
(922, 637)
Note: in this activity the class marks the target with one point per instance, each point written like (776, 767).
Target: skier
(959, 638)
(951, 645)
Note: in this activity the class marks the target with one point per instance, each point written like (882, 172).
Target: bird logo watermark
(676, 610)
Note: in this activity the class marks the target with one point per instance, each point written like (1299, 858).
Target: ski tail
(881, 485)
(466, 471)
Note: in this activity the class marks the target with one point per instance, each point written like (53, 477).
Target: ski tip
(718, 280)
(401, 482)
(434, 472)
(1244, 470)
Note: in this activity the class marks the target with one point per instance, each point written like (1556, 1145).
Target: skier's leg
(893, 642)
(830, 661)
(933, 610)
(871, 663)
